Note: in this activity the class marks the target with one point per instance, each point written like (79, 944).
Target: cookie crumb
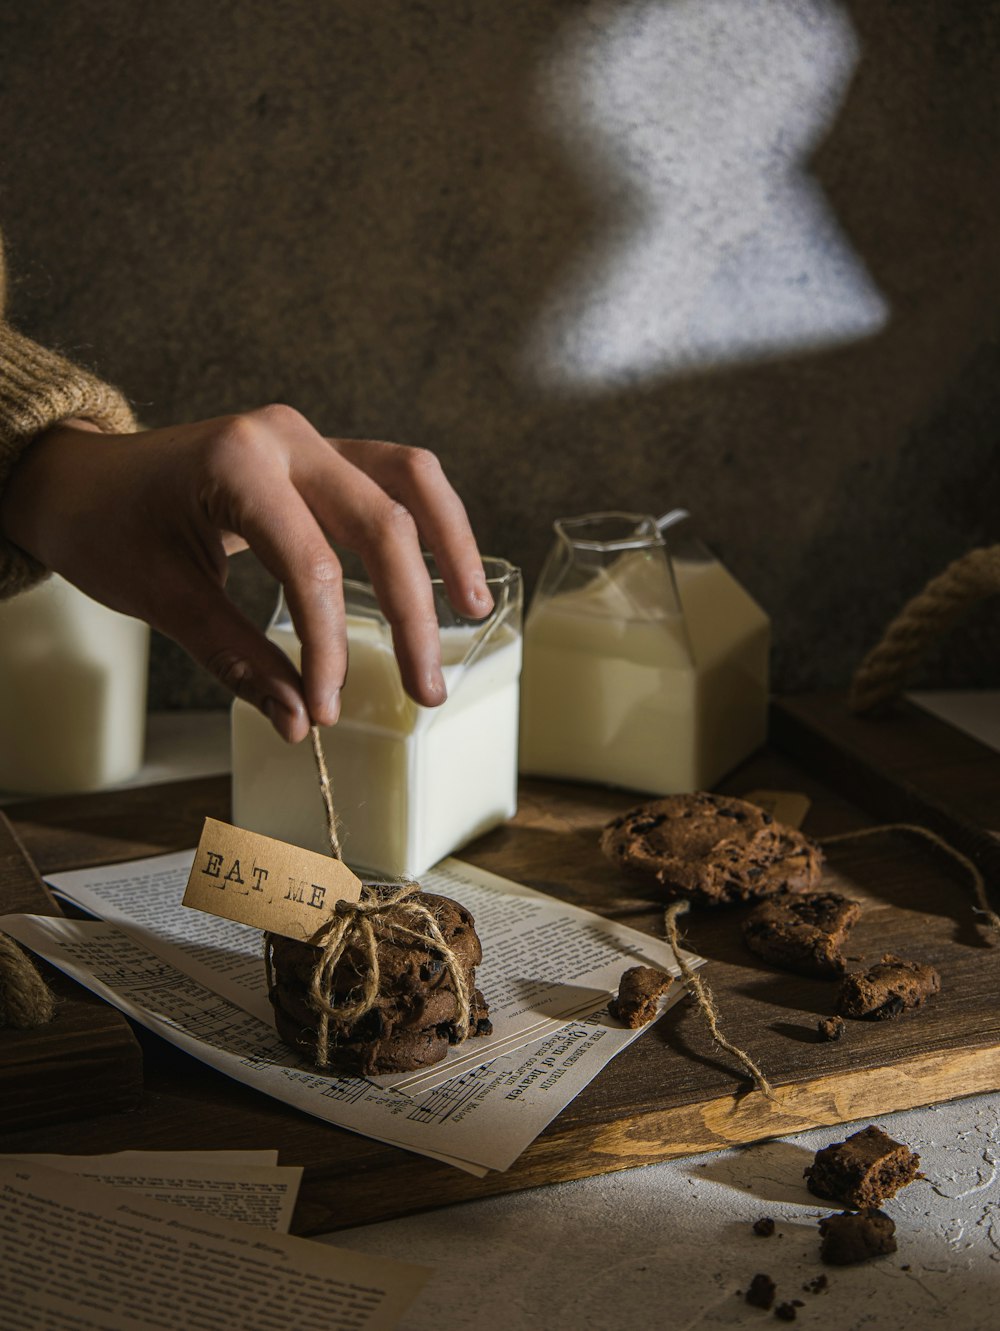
(818, 1285)
(761, 1291)
(856, 1236)
(831, 1028)
(764, 1227)
(785, 1312)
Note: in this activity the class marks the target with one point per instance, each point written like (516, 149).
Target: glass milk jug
(410, 783)
(645, 662)
(72, 692)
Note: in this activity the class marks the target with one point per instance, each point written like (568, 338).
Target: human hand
(145, 523)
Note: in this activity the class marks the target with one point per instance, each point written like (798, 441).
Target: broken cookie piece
(802, 932)
(856, 1236)
(639, 992)
(863, 1171)
(887, 989)
(761, 1291)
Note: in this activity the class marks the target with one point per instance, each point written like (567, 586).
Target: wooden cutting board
(86, 1059)
(672, 1092)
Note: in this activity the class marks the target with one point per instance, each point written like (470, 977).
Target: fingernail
(331, 710)
(437, 685)
(481, 596)
(282, 718)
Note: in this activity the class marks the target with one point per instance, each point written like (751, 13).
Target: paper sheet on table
(480, 1120)
(74, 1253)
(544, 962)
(257, 1192)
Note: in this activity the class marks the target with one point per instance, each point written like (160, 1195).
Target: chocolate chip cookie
(412, 1022)
(712, 849)
(803, 931)
(864, 1171)
(886, 989)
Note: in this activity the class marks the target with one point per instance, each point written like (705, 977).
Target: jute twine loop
(353, 924)
(25, 999)
(923, 619)
(982, 906)
(706, 1001)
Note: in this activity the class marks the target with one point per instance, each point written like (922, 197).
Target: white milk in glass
(645, 673)
(410, 784)
(72, 692)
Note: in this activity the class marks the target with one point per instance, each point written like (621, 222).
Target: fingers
(415, 478)
(376, 498)
(359, 513)
(285, 536)
(214, 632)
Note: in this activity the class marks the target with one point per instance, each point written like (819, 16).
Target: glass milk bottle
(410, 783)
(72, 692)
(645, 662)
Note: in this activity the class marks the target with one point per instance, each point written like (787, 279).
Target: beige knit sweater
(37, 390)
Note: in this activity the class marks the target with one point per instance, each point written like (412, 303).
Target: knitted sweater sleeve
(38, 388)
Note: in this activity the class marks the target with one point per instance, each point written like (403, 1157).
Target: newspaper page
(82, 1256)
(482, 1119)
(544, 962)
(259, 1192)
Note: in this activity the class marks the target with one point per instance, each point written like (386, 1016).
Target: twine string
(326, 791)
(354, 925)
(982, 906)
(706, 1001)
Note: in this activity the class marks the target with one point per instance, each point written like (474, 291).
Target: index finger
(415, 478)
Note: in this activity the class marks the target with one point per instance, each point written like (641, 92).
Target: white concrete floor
(670, 1245)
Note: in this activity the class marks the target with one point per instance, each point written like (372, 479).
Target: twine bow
(353, 925)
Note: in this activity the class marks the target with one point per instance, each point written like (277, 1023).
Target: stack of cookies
(413, 1020)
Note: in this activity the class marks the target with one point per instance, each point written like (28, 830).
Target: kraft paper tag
(785, 806)
(269, 884)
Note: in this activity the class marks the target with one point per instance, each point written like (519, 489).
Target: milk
(72, 692)
(622, 686)
(410, 784)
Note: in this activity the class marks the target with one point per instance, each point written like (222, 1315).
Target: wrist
(33, 489)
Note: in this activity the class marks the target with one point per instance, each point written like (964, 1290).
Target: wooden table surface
(673, 1092)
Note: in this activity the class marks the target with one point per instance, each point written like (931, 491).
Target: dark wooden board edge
(330, 1202)
(905, 767)
(86, 1060)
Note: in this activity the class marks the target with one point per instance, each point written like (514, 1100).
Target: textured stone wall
(737, 255)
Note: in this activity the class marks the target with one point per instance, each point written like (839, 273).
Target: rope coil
(26, 1000)
(924, 618)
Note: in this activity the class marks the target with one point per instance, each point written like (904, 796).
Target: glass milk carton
(72, 692)
(410, 784)
(645, 662)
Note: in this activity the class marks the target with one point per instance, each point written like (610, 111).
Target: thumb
(220, 638)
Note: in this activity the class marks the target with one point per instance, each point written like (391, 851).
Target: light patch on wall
(690, 124)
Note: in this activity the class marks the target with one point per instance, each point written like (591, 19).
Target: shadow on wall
(371, 212)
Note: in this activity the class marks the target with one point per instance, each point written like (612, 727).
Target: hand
(145, 522)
